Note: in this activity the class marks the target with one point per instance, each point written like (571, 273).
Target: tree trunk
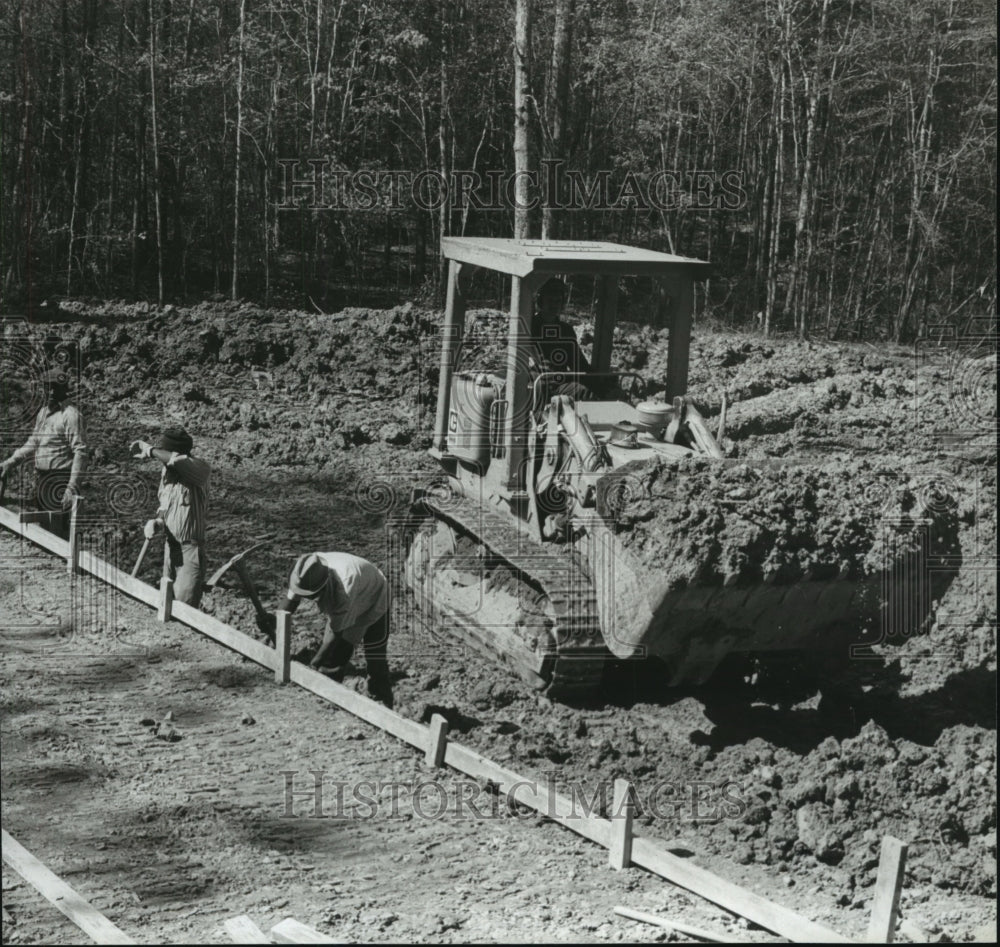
(796, 296)
(75, 204)
(557, 104)
(156, 155)
(234, 291)
(270, 240)
(778, 187)
(443, 210)
(523, 151)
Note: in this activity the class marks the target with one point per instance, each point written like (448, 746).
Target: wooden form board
(242, 930)
(290, 931)
(409, 731)
(753, 907)
(135, 588)
(528, 792)
(671, 925)
(532, 793)
(225, 634)
(34, 532)
(83, 914)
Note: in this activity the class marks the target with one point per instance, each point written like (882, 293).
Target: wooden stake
(283, 647)
(620, 849)
(166, 599)
(888, 887)
(73, 559)
(290, 931)
(437, 741)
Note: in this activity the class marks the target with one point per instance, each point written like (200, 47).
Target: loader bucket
(692, 628)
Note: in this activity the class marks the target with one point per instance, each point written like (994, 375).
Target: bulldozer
(512, 549)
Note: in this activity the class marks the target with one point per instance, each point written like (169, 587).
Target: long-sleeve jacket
(58, 442)
(558, 349)
(355, 596)
(183, 496)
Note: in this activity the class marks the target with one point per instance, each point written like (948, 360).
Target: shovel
(142, 555)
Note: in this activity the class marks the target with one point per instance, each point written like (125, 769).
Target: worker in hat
(353, 594)
(59, 445)
(183, 496)
(555, 347)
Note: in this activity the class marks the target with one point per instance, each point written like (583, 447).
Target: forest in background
(144, 146)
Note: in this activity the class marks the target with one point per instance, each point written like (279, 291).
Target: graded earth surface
(145, 764)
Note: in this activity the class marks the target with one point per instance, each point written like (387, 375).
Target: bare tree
(156, 155)
(557, 104)
(234, 292)
(523, 150)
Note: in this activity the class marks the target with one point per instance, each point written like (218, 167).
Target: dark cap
(553, 288)
(57, 378)
(176, 440)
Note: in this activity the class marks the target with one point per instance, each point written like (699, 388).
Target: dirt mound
(280, 388)
(835, 804)
(696, 521)
(300, 414)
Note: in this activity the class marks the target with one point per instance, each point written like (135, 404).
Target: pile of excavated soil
(698, 521)
(281, 388)
(835, 804)
(789, 396)
(300, 466)
(278, 388)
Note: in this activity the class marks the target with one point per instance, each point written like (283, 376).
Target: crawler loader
(513, 550)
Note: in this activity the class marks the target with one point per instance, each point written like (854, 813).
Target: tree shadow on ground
(325, 823)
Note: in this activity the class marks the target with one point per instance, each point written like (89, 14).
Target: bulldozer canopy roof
(524, 257)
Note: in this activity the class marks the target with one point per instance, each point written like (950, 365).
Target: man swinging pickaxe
(239, 565)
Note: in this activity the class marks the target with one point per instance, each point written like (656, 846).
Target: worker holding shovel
(353, 594)
(183, 496)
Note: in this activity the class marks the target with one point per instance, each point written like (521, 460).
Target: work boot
(334, 673)
(380, 689)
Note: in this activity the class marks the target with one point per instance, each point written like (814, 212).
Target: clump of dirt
(836, 803)
(695, 521)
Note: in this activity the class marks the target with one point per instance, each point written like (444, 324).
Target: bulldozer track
(573, 660)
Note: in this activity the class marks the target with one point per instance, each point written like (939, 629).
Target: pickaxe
(239, 565)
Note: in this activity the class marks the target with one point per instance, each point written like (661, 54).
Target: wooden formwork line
(51, 887)
(607, 833)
